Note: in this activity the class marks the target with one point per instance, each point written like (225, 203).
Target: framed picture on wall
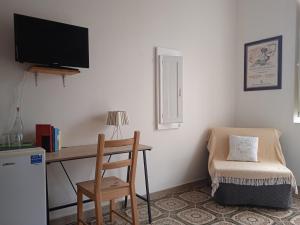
(263, 64)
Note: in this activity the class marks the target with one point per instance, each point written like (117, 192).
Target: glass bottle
(17, 131)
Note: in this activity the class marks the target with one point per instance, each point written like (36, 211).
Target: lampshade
(117, 118)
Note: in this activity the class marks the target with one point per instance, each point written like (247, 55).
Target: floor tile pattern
(194, 196)
(249, 218)
(171, 204)
(192, 205)
(196, 216)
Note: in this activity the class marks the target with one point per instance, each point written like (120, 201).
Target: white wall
(259, 19)
(123, 35)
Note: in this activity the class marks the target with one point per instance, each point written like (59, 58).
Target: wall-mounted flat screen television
(50, 43)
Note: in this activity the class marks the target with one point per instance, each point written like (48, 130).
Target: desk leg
(147, 187)
(147, 199)
(127, 179)
(62, 165)
(47, 198)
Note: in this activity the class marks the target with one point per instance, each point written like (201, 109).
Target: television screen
(50, 43)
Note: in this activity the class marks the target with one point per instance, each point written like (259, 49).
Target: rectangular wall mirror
(169, 88)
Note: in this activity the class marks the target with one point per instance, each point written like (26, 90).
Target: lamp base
(117, 133)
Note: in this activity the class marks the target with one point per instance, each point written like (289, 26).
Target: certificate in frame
(263, 64)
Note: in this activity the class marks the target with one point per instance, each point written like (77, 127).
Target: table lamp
(117, 119)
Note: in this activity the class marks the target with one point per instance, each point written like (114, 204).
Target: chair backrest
(132, 162)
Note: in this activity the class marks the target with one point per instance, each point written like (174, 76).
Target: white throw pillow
(243, 148)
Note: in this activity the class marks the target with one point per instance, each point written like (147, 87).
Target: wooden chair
(110, 188)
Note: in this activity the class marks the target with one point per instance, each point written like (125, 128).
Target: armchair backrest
(269, 148)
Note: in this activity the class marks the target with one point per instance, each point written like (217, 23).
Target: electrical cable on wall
(19, 91)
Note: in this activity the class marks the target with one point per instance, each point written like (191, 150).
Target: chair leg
(112, 207)
(98, 212)
(134, 210)
(79, 207)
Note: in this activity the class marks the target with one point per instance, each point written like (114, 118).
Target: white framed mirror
(169, 88)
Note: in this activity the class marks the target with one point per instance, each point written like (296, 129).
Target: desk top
(87, 151)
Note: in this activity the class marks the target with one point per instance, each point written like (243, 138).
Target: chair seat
(107, 184)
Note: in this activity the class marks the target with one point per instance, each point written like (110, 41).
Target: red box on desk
(44, 136)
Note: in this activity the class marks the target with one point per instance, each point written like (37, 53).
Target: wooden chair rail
(115, 165)
(119, 143)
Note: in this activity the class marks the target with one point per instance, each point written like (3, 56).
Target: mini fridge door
(23, 187)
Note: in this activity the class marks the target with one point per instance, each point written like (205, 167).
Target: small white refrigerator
(23, 187)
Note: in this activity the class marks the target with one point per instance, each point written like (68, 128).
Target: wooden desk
(87, 151)
(90, 151)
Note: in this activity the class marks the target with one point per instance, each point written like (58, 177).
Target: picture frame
(263, 64)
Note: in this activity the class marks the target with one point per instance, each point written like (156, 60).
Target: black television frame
(19, 58)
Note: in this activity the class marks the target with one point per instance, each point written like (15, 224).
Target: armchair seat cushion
(250, 173)
(250, 170)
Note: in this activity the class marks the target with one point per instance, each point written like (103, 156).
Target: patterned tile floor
(193, 205)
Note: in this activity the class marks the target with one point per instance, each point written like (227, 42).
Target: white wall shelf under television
(37, 70)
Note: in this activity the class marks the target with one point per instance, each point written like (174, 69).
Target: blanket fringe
(216, 180)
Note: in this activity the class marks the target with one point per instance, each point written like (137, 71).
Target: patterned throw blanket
(269, 170)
